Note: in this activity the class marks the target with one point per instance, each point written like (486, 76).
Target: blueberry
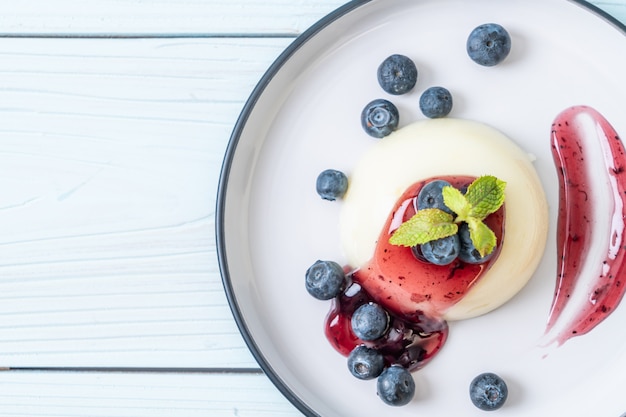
(436, 102)
(468, 252)
(488, 44)
(395, 386)
(417, 253)
(397, 74)
(370, 321)
(431, 196)
(488, 391)
(365, 362)
(331, 184)
(325, 280)
(441, 251)
(379, 118)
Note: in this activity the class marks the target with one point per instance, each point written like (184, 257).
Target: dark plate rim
(222, 189)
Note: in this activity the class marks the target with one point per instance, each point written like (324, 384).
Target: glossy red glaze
(408, 287)
(415, 293)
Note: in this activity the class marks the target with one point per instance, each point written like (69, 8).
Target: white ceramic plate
(304, 117)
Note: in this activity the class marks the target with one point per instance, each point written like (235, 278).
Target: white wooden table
(114, 116)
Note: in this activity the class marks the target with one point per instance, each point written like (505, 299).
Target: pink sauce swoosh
(591, 163)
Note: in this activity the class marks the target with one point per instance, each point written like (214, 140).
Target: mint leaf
(485, 195)
(456, 201)
(482, 236)
(424, 226)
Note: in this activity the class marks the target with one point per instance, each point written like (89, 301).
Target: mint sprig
(424, 226)
(484, 196)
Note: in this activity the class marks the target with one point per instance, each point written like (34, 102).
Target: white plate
(304, 117)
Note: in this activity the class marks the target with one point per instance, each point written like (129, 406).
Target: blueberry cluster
(444, 251)
(487, 45)
(373, 326)
(397, 75)
(395, 384)
(370, 323)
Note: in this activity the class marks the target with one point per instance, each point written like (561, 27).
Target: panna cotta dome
(443, 147)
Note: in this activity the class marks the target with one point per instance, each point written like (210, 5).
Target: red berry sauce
(407, 343)
(584, 260)
(415, 293)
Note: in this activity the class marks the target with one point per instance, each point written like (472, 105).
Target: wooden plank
(72, 394)
(110, 152)
(162, 17)
(172, 17)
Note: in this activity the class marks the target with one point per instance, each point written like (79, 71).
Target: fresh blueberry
(417, 253)
(431, 196)
(436, 102)
(396, 386)
(365, 362)
(379, 118)
(397, 74)
(331, 184)
(370, 321)
(325, 280)
(488, 391)
(468, 252)
(488, 44)
(441, 251)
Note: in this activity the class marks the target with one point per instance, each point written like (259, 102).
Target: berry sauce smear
(415, 293)
(408, 343)
(591, 160)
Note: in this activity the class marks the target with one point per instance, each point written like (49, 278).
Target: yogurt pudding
(443, 148)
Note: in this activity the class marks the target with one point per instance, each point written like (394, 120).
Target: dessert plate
(304, 117)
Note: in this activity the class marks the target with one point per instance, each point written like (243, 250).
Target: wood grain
(161, 17)
(109, 167)
(78, 394)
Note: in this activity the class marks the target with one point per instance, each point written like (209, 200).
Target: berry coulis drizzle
(584, 260)
(415, 293)
(406, 343)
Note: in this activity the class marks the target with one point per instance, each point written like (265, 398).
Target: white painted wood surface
(114, 119)
(139, 395)
(157, 17)
(109, 165)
